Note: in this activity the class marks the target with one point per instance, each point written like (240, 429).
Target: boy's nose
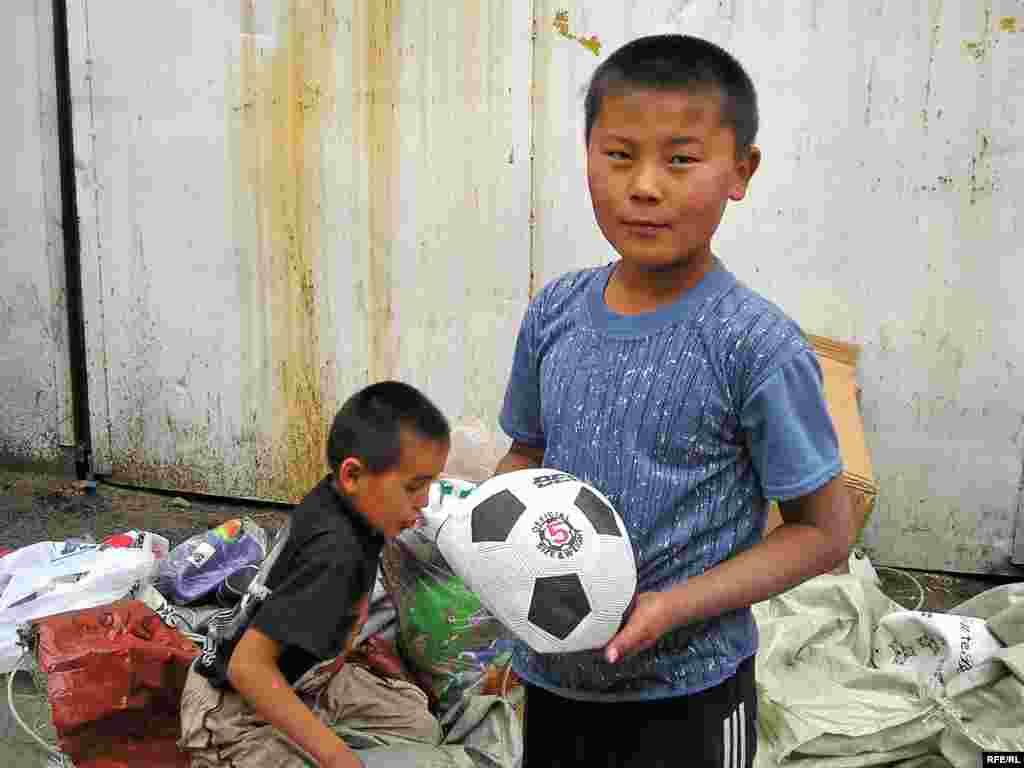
(644, 183)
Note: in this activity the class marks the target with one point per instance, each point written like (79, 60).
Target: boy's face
(661, 167)
(391, 500)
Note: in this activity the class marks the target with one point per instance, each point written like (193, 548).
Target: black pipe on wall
(72, 246)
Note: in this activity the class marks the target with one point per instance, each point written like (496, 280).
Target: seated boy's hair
(678, 62)
(368, 426)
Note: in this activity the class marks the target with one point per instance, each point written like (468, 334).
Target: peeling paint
(980, 49)
(983, 180)
(254, 467)
(935, 16)
(977, 49)
(561, 25)
(376, 113)
(285, 106)
(869, 93)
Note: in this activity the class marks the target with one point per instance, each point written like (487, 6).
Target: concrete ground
(37, 506)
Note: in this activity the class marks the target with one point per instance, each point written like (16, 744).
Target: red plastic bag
(115, 676)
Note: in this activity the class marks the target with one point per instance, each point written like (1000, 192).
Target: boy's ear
(746, 167)
(350, 473)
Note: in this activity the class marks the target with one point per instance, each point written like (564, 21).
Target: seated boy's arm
(254, 673)
(520, 456)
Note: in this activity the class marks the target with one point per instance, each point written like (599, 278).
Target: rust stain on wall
(561, 25)
(980, 49)
(935, 22)
(287, 100)
(983, 180)
(475, 85)
(375, 112)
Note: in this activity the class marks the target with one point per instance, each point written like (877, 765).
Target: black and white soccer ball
(547, 555)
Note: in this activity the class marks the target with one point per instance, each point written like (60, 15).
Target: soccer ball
(547, 555)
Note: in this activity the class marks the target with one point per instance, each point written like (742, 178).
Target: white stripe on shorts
(727, 742)
(734, 738)
(741, 726)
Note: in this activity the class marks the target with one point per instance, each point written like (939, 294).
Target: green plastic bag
(443, 629)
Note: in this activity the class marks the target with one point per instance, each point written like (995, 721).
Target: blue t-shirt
(687, 418)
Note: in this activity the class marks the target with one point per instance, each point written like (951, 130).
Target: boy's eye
(616, 154)
(682, 160)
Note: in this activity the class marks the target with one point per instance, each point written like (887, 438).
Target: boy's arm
(520, 456)
(793, 445)
(816, 535)
(254, 673)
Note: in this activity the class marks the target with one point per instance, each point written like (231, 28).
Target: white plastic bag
(89, 577)
(30, 568)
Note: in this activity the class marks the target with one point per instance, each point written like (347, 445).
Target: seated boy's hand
(651, 618)
(342, 759)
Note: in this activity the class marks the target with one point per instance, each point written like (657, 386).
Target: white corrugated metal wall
(887, 212)
(35, 409)
(283, 200)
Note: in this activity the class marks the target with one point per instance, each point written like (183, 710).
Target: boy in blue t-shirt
(686, 398)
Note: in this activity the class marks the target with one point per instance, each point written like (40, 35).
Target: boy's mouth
(644, 226)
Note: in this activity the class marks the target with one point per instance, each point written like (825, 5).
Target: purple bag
(194, 569)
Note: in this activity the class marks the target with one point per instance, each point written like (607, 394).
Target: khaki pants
(219, 728)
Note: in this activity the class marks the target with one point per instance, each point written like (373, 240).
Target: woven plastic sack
(444, 633)
(114, 677)
(199, 565)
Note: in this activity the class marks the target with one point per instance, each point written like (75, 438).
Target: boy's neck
(634, 290)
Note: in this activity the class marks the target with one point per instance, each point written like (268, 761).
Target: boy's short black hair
(368, 426)
(678, 62)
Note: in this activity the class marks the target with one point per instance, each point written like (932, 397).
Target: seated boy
(272, 698)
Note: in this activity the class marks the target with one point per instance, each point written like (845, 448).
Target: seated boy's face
(392, 500)
(661, 167)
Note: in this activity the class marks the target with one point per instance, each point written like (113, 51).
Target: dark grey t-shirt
(328, 563)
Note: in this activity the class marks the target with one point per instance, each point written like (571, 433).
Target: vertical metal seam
(532, 221)
(104, 361)
(75, 305)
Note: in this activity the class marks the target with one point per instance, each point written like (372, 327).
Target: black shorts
(714, 729)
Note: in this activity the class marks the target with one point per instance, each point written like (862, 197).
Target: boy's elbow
(843, 534)
(254, 652)
(829, 511)
(236, 671)
(520, 456)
